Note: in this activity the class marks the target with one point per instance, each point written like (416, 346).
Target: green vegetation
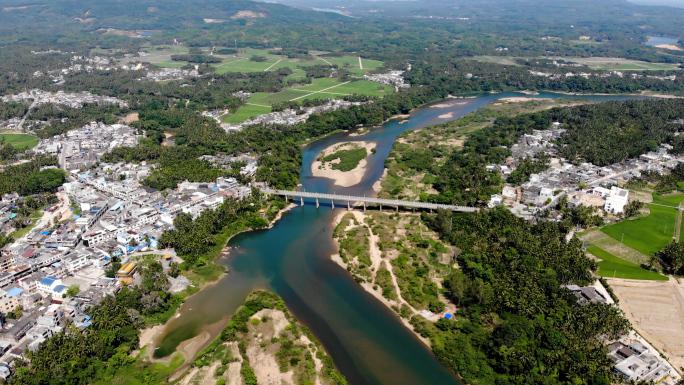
(196, 58)
(245, 112)
(614, 267)
(515, 323)
(354, 241)
(289, 353)
(417, 258)
(647, 234)
(20, 140)
(672, 257)
(670, 200)
(349, 159)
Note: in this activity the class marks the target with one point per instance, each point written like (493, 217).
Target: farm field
(21, 140)
(244, 113)
(320, 89)
(669, 200)
(614, 267)
(241, 63)
(646, 234)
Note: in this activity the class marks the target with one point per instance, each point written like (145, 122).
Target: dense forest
(516, 323)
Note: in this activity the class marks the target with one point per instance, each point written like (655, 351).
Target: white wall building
(617, 200)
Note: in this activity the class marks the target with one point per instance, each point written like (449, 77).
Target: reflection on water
(366, 340)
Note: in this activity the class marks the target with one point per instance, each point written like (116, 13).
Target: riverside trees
(516, 324)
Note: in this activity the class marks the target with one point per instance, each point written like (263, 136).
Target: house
(48, 285)
(545, 194)
(509, 192)
(617, 200)
(74, 263)
(636, 363)
(8, 302)
(495, 201)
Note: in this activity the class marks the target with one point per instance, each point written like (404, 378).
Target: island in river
(345, 163)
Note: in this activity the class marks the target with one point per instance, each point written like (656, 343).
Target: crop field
(646, 234)
(614, 267)
(21, 140)
(161, 56)
(244, 113)
(320, 89)
(669, 200)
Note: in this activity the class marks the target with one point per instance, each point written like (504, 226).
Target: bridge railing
(349, 198)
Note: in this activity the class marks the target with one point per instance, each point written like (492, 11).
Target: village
(62, 265)
(584, 184)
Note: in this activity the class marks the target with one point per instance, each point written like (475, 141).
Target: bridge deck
(349, 198)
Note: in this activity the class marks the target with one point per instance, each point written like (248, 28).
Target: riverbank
(191, 347)
(376, 258)
(341, 178)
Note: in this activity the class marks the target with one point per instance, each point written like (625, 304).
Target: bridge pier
(317, 203)
(364, 207)
(381, 207)
(301, 201)
(286, 201)
(348, 206)
(397, 208)
(332, 201)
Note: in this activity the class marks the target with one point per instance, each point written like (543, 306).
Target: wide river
(366, 340)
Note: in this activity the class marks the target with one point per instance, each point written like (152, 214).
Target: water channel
(660, 40)
(366, 340)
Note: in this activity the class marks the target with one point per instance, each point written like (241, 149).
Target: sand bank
(670, 47)
(376, 261)
(342, 178)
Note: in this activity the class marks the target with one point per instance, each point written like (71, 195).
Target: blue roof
(13, 215)
(76, 216)
(15, 291)
(45, 232)
(59, 288)
(116, 206)
(447, 316)
(214, 188)
(86, 324)
(87, 317)
(48, 280)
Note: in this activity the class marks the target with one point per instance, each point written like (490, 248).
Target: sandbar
(342, 178)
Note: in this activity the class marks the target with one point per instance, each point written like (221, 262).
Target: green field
(647, 234)
(672, 200)
(21, 140)
(612, 266)
(244, 113)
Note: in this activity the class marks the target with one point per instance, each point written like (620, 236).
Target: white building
(74, 263)
(617, 200)
(49, 285)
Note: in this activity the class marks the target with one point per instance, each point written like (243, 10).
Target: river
(366, 340)
(659, 40)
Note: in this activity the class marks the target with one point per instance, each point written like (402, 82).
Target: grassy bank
(614, 267)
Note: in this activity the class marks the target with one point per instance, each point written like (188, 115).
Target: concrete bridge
(349, 200)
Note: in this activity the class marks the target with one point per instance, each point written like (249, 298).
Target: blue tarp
(12, 216)
(447, 316)
(76, 216)
(45, 233)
